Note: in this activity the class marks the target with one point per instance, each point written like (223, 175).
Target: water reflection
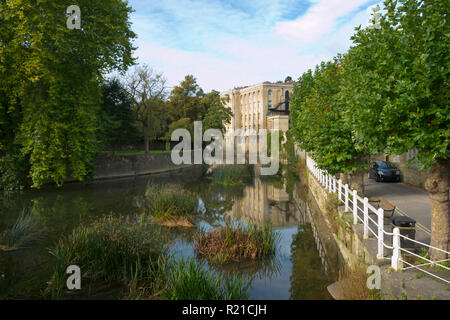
(301, 268)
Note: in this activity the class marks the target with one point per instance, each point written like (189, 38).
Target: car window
(382, 165)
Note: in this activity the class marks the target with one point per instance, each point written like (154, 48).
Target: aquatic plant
(190, 280)
(231, 174)
(171, 205)
(236, 242)
(111, 249)
(24, 231)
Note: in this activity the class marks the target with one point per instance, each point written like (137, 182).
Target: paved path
(411, 201)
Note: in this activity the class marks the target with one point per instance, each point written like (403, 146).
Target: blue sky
(225, 44)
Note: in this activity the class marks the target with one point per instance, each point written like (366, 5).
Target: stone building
(261, 106)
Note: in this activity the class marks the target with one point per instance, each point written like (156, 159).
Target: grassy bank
(236, 242)
(171, 205)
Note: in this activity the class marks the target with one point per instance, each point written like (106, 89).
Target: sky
(227, 44)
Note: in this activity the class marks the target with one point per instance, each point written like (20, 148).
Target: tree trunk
(146, 140)
(437, 186)
(357, 182)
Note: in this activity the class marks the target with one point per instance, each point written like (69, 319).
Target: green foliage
(189, 280)
(396, 81)
(116, 118)
(170, 204)
(24, 231)
(318, 118)
(236, 242)
(111, 249)
(49, 79)
(216, 115)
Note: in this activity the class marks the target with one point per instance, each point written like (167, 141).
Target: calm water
(302, 268)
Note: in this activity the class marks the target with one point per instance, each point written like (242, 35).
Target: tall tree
(49, 82)
(116, 118)
(185, 99)
(396, 85)
(148, 91)
(216, 115)
(317, 117)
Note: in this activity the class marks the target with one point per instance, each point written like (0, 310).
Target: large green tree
(397, 87)
(318, 125)
(49, 82)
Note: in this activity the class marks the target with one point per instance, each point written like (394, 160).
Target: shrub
(236, 242)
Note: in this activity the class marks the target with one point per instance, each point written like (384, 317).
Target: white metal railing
(354, 203)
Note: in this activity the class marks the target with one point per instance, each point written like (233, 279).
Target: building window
(269, 94)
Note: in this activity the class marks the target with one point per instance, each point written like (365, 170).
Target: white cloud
(224, 46)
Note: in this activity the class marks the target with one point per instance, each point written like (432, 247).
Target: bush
(236, 242)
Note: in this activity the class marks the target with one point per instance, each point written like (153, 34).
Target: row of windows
(250, 117)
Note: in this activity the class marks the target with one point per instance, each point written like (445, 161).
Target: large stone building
(261, 106)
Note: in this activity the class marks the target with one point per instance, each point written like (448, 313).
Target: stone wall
(114, 166)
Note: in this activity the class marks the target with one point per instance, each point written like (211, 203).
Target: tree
(288, 79)
(396, 85)
(49, 82)
(185, 100)
(148, 91)
(217, 115)
(318, 124)
(116, 118)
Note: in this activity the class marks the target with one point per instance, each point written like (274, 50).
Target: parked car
(384, 171)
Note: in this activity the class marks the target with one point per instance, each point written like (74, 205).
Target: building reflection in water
(264, 202)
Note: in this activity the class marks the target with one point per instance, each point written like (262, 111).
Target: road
(411, 201)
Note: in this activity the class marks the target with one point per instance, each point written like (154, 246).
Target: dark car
(384, 171)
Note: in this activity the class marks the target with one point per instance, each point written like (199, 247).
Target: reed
(171, 205)
(24, 231)
(236, 242)
(231, 174)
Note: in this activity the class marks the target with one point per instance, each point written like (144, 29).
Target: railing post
(395, 260)
(380, 254)
(346, 197)
(366, 218)
(334, 184)
(355, 208)
(339, 189)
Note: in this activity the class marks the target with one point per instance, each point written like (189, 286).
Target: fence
(374, 225)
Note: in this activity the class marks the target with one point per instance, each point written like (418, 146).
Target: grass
(132, 254)
(231, 174)
(236, 242)
(112, 249)
(353, 285)
(171, 205)
(189, 280)
(24, 231)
